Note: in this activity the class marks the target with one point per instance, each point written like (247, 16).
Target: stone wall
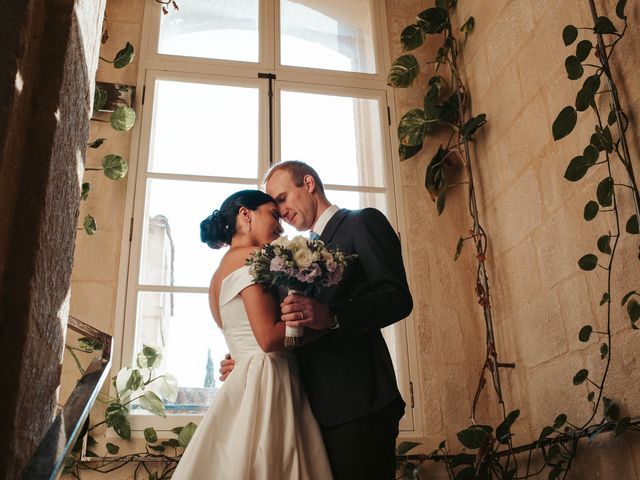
(513, 64)
(48, 58)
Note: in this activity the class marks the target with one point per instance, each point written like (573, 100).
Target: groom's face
(295, 204)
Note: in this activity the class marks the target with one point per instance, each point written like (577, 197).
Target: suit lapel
(333, 224)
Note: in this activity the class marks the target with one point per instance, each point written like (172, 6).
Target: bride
(260, 425)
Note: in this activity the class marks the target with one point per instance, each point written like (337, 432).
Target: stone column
(48, 61)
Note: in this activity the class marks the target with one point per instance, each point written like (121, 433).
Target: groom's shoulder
(367, 214)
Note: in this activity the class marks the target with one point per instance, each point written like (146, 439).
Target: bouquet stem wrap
(293, 335)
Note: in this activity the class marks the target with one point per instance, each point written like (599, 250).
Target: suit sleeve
(386, 299)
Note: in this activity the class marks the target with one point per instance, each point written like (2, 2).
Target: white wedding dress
(260, 426)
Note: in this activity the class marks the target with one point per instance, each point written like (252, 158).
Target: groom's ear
(309, 183)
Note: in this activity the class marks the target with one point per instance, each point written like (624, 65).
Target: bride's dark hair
(218, 229)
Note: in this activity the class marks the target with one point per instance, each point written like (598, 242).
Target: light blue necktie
(313, 236)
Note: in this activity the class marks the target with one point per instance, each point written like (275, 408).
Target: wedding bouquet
(300, 265)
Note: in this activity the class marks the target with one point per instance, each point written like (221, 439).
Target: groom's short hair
(298, 170)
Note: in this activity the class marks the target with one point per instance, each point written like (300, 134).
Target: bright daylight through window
(208, 129)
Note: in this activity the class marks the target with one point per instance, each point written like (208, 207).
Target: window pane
(192, 345)
(203, 129)
(220, 29)
(172, 253)
(338, 136)
(327, 34)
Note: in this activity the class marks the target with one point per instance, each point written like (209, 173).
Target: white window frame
(153, 66)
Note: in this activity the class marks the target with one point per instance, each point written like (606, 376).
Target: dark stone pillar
(45, 86)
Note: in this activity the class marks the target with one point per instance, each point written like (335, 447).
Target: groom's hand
(226, 365)
(301, 311)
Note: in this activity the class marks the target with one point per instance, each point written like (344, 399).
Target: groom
(347, 373)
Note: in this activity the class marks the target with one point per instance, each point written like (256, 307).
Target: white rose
(299, 242)
(282, 241)
(302, 257)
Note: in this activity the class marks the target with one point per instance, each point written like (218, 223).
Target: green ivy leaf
(585, 333)
(168, 387)
(467, 473)
(411, 37)
(604, 244)
(503, 432)
(134, 381)
(590, 396)
(467, 27)
(150, 356)
(591, 153)
(186, 434)
(112, 448)
(150, 435)
(89, 225)
(588, 262)
(633, 309)
(583, 49)
(628, 295)
(152, 403)
(604, 299)
(632, 225)
(404, 447)
(433, 20)
(413, 127)
(459, 246)
(611, 119)
(123, 118)
(86, 188)
(472, 125)
(604, 351)
(172, 442)
(124, 57)
(116, 418)
(577, 168)
(564, 123)
(476, 436)
(435, 180)
(96, 143)
(553, 452)
(114, 167)
(620, 9)
(573, 67)
(591, 210)
(403, 71)
(604, 26)
(157, 448)
(89, 344)
(604, 192)
(569, 34)
(546, 431)
(604, 135)
(559, 421)
(408, 151)
(581, 376)
(622, 426)
(610, 409)
(442, 197)
(99, 98)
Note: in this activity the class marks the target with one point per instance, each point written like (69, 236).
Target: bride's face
(265, 224)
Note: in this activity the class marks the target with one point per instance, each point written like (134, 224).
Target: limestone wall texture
(513, 65)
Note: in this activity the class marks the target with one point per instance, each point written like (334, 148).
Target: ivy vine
(492, 454)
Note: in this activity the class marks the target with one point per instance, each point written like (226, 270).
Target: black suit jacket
(348, 373)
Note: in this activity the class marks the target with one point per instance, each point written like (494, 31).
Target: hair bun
(214, 230)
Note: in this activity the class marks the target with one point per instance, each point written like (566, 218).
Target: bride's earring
(249, 222)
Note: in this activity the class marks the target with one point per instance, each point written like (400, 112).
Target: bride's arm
(263, 311)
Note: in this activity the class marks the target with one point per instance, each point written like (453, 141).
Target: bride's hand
(226, 366)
